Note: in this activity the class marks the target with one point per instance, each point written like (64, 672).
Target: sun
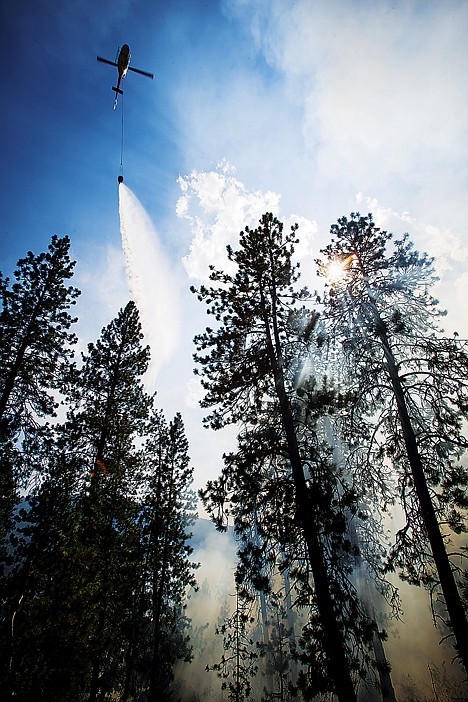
(335, 271)
(337, 268)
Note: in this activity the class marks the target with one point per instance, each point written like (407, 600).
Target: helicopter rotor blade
(103, 60)
(142, 73)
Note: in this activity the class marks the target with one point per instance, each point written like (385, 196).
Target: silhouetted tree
(249, 360)
(239, 662)
(411, 394)
(94, 598)
(34, 336)
(78, 568)
(167, 515)
(35, 344)
(109, 408)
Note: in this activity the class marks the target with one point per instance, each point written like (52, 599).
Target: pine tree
(35, 340)
(414, 380)
(79, 569)
(239, 662)
(94, 602)
(35, 344)
(168, 512)
(251, 358)
(45, 624)
(108, 413)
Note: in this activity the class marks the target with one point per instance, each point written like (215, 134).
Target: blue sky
(60, 136)
(314, 101)
(311, 109)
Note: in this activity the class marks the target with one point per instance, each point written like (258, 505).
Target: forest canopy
(350, 406)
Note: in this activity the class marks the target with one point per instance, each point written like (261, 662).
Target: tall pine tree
(109, 408)
(250, 358)
(78, 567)
(35, 345)
(34, 336)
(414, 380)
(167, 515)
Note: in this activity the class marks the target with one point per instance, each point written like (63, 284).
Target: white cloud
(307, 235)
(376, 95)
(461, 285)
(194, 393)
(445, 245)
(371, 78)
(218, 206)
(233, 113)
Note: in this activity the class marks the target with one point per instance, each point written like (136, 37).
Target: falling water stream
(150, 280)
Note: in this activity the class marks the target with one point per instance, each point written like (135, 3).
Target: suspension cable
(122, 141)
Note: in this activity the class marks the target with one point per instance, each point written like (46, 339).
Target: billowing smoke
(214, 600)
(149, 279)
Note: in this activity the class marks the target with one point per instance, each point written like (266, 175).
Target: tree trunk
(291, 628)
(264, 615)
(132, 646)
(386, 685)
(12, 375)
(10, 381)
(335, 651)
(453, 601)
(337, 662)
(155, 682)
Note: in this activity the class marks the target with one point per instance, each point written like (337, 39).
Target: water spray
(150, 278)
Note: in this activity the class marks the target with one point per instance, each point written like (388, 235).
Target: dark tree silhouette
(404, 371)
(76, 569)
(94, 593)
(250, 359)
(168, 513)
(34, 336)
(35, 344)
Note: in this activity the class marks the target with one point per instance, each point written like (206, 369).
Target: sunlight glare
(335, 271)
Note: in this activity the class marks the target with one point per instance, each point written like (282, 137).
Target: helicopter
(122, 64)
